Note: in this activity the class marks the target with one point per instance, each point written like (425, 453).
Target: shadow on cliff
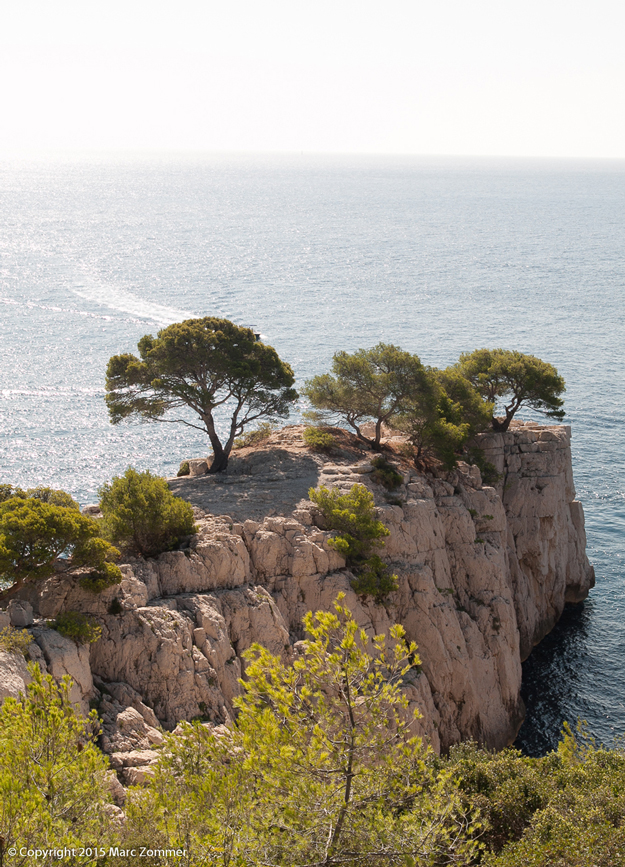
(264, 482)
(551, 675)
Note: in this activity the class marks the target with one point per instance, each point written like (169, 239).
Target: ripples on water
(319, 254)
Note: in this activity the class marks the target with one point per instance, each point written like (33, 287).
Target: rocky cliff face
(484, 573)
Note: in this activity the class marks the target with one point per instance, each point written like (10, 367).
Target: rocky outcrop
(483, 573)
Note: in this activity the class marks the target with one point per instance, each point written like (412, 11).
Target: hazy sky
(534, 78)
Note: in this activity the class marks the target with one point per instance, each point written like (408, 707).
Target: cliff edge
(484, 573)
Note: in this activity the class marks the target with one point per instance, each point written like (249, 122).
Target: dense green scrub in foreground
(321, 768)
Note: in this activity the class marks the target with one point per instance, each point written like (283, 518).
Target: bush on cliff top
(142, 515)
(38, 538)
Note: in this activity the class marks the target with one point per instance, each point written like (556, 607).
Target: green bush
(385, 474)
(352, 516)
(53, 497)
(81, 628)
(255, 437)
(53, 777)
(184, 469)
(374, 579)
(15, 640)
(38, 538)
(142, 514)
(318, 440)
(9, 491)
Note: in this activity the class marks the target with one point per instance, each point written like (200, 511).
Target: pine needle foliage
(321, 768)
(142, 515)
(53, 789)
(357, 532)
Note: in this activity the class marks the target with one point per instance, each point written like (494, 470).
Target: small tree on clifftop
(370, 385)
(202, 364)
(517, 379)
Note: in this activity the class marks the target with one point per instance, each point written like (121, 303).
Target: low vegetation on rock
(255, 437)
(81, 628)
(15, 640)
(184, 469)
(319, 440)
(142, 515)
(358, 531)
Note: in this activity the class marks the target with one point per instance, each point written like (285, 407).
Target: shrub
(115, 607)
(385, 474)
(318, 440)
(52, 776)
(53, 496)
(255, 437)
(81, 628)
(142, 514)
(15, 640)
(374, 579)
(184, 469)
(352, 516)
(321, 767)
(8, 491)
(38, 538)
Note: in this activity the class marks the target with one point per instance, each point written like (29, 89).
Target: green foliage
(441, 426)
(488, 471)
(38, 538)
(15, 640)
(141, 513)
(321, 768)
(255, 437)
(352, 516)
(318, 440)
(115, 607)
(52, 776)
(53, 496)
(184, 469)
(9, 491)
(370, 385)
(374, 578)
(81, 628)
(205, 365)
(385, 474)
(515, 379)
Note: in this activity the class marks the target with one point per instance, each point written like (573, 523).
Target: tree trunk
(502, 423)
(220, 461)
(9, 592)
(220, 456)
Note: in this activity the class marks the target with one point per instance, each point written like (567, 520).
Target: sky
(448, 77)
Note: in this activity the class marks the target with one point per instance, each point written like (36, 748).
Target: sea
(318, 254)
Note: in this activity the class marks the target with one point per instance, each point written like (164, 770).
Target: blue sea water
(438, 256)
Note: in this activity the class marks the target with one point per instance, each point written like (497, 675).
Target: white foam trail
(117, 299)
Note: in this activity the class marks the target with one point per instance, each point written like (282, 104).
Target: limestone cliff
(484, 573)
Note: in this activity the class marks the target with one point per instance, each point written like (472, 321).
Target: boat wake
(125, 302)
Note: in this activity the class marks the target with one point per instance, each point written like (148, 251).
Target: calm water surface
(320, 254)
